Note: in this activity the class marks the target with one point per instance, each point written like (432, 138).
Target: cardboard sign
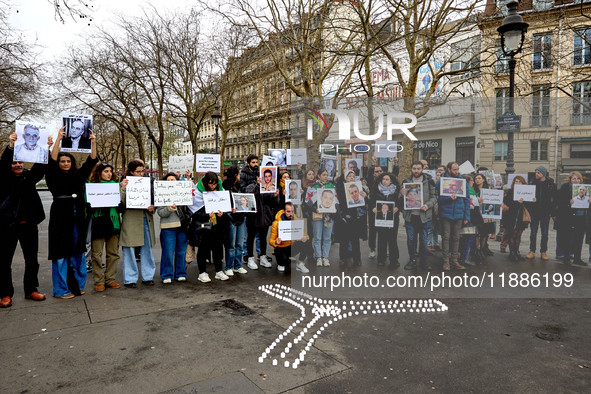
(268, 177)
(101, 195)
(269, 161)
(244, 202)
(353, 195)
(491, 207)
(167, 193)
(385, 213)
(581, 195)
(205, 163)
(527, 192)
(449, 186)
(295, 156)
(414, 196)
(290, 230)
(77, 130)
(279, 155)
(326, 200)
(137, 193)
(31, 143)
(217, 201)
(180, 163)
(292, 191)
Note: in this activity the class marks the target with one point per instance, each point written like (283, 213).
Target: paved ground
(190, 337)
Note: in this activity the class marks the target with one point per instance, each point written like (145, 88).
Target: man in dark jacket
(21, 211)
(248, 177)
(418, 222)
(454, 211)
(541, 210)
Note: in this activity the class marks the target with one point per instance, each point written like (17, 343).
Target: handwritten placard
(290, 230)
(217, 201)
(491, 207)
(205, 163)
(527, 192)
(101, 195)
(167, 193)
(137, 194)
(295, 156)
(180, 163)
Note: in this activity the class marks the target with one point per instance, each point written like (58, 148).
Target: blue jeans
(174, 245)
(544, 223)
(466, 242)
(245, 245)
(234, 247)
(147, 263)
(59, 270)
(414, 228)
(432, 237)
(322, 238)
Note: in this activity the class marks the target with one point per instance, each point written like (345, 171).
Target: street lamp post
(127, 145)
(216, 116)
(512, 33)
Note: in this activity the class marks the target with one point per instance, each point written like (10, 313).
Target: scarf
(113, 214)
(387, 190)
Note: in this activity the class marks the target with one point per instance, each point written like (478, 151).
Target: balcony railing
(540, 121)
(580, 119)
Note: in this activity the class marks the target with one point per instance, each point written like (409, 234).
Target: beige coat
(132, 222)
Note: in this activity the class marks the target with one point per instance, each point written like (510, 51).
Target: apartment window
(542, 58)
(466, 55)
(581, 103)
(501, 148)
(540, 106)
(502, 61)
(580, 151)
(501, 101)
(539, 151)
(582, 47)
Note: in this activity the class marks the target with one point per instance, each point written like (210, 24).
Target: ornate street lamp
(512, 33)
(216, 116)
(127, 145)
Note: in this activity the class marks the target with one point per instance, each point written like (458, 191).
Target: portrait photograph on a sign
(355, 166)
(268, 179)
(269, 161)
(31, 143)
(451, 186)
(77, 130)
(354, 197)
(413, 198)
(244, 202)
(326, 200)
(280, 155)
(385, 213)
(292, 191)
(329, 163)
(492, 202)
(581, 195)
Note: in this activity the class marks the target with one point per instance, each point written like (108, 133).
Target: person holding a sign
(67, 218)
(386, 188)
(454, 211)
(321, 222)
(173, 239)
(541, 210)
(30, 151)
(351, 223)
(571, 223)
(487, 226)
(235, 224)
(137, 231)
(21, 210)
(515, 220)
(105, 228)
(285, 249)
(207, 229)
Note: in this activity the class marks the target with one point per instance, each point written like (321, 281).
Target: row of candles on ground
(331, 309)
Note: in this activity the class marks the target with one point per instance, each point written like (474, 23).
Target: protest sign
(290, 230)
(414, 196)
(180, 163)
(77, 131)
(31, 143)
(101, 195)
(467, 168)
(527, 192)
(450, 186)
(269, 161)
(205, 163)
(137, 193)
(353, 193)
(581, 195)
(385, 214)
(244, 202)
(167, 193)
(295, 156)
(491, 207)
(217, 201)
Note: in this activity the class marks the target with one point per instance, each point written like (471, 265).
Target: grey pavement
(206, 338)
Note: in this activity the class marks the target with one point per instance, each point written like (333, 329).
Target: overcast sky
(37, 19)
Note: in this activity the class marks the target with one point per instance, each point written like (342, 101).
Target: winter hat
(543, 170)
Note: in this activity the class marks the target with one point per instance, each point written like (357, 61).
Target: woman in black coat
(386, 188)
(351, 223)
(513, 214)
(571, 223)
(67, 219)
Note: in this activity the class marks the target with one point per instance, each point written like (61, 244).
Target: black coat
(236, 218)
(565, 215)
(247, 177)
(102, 225)
(545, 198)
(68, 190)
(349, 222)
(513, 218)
(395, 197)
(19, 199)
(267, 204)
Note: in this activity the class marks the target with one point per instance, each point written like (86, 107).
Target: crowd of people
(230, 239)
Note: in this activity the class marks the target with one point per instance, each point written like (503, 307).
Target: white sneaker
(204, 278)
(265, 263)
(281, 268)
(302, 268)
(319, 262)
(221, 276)
(251, 264)
(181, 279)
(326, 262)
(230, 272)
(167, 281)
(372, 254)
(240, 270)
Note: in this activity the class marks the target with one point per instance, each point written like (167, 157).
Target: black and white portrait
(329, 163)
(77, 133)
(31, 144)
(280, 155)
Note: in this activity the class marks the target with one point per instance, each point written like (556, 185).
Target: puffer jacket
(453, 209)
(275, 231)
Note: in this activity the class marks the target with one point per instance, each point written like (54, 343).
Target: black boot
(513, 256)
(487, 251)
(425, 266)
(412, 264)
(519, 256)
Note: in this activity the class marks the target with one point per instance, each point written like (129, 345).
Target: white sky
(37, 19)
